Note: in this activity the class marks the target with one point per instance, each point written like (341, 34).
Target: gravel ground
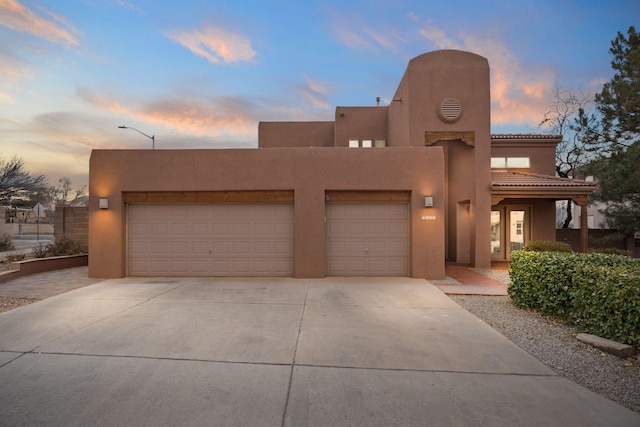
(7, 303)
(555, 345)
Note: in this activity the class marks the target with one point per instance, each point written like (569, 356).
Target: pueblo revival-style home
(393, 190)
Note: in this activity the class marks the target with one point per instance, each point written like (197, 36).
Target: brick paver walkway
(464, 281)
(45, 285)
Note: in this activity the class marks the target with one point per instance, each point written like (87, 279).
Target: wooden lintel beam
(272, 196)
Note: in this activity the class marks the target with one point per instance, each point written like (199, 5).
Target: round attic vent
(450, 110)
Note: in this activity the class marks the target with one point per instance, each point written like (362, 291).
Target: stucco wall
(360, 123)
(295, 134)
(309, 172)
(542, 155)
(429, 79)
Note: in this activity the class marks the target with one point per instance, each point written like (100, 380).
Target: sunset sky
(202, 74)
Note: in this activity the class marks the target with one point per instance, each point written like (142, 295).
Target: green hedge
(599, 293)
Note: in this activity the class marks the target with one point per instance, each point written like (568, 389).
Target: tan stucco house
(386, 190)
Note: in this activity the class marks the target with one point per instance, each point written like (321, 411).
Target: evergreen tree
(617, 137)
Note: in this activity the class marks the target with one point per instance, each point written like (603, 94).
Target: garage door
(367, 239)
(219, 239)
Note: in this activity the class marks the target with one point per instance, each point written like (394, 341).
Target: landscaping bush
(607, 302)
(599, 293)
(547, 246)
(40, 250)
(6, 243)
(611, 251)
(16, 258)
(63, 245)
(542, 281)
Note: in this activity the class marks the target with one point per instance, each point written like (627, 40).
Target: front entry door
(510, 230)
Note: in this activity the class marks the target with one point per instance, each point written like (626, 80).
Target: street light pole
(151, 137)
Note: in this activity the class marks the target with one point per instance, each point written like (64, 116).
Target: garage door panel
(200, 228)
(159, 247)
(283, 248)
(368, 239)
(210, 239)
(159, 228)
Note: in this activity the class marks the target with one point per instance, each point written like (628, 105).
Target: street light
(152, 137)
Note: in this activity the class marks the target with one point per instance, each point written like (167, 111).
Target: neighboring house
(387, 190)
(595, 219)
(25, 212)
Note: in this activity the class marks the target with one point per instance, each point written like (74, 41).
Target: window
(510, 162)
(367, 143)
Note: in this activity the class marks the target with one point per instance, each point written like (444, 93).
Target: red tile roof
(524, 136)
(503, 178)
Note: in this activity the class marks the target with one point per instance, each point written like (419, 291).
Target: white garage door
(210, 239)
(367, 239)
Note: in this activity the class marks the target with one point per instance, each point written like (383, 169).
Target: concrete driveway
(275, 352)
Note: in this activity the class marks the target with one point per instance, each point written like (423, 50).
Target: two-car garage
(210, 239)
(257, 238)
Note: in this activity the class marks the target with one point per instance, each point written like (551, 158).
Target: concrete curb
(613, 347)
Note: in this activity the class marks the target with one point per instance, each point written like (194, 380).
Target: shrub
(599, 293)
(610, 251)
(607, 302)
(541, 281)
(6, 243)
(547, 246)
(40, 250)
(15, 258)
(63, 245)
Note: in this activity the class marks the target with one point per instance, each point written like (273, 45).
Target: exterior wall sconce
(428, 202)
(103, 204)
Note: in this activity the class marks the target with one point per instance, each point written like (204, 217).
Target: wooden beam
(252, 196)
(337, 196)
(584, 227)
(468, 138)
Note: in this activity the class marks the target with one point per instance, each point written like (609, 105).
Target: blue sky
(202, 74)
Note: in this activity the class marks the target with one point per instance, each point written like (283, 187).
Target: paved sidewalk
(275, 352)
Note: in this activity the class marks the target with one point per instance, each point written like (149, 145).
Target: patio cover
(520, 185)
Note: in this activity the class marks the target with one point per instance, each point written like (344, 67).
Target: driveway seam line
(295, 352)
(34, 350)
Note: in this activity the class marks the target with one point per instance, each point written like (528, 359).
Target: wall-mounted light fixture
(103, 204)
(428, 201)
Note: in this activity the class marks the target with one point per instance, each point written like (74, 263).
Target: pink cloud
(53, 28)
(351, 32)
(519, 94)
(216, 44)
(192, 115)
(313, 92)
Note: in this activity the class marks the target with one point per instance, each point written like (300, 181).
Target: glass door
(516, 229)
(497, 248)
(510, 230)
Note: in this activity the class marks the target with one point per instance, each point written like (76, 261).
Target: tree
(565, 117)
(17, 183)
(619, 100)
(64, 194)
(616, 137)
